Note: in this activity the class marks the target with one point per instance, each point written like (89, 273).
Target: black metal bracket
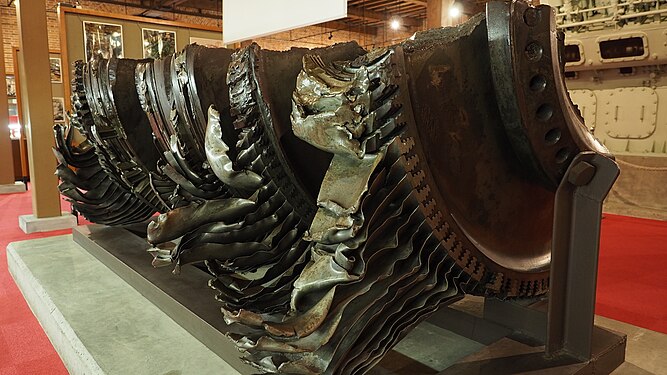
(567, 326)
(574, 254)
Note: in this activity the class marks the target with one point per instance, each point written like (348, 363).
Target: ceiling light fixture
(395, 24)
(455, 10)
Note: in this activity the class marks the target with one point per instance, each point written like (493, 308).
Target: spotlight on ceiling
(455, 10)
(395, 24)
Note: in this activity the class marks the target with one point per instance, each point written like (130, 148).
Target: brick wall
(11, 35)
(310, 37)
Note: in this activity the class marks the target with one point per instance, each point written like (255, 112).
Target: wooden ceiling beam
(421, 3)
(216, 15)
(416, 2)
(361, 13)
(343, 26)
(395, 7)
(171, 3)
(196, 4)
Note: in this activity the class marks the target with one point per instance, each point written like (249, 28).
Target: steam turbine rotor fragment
(336, 196)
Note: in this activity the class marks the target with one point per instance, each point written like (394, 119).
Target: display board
(16, 110)
(273, 16)
(57, 87)
(18, 144)
(87, 33)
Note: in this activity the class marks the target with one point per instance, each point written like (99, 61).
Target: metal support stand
(574, 254)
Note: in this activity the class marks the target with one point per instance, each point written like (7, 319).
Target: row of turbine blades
(312, 185)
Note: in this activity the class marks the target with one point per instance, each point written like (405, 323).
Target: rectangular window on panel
(626, 70)
(622, 48)
(572, 53)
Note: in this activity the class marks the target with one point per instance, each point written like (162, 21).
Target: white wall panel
(247, 19)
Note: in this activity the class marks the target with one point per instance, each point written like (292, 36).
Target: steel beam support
(574, 254)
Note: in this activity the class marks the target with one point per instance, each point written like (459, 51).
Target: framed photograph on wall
(56, 70)
(158, 44)
(58, 109)
(206, 42)
(11, 86)
(103, 40)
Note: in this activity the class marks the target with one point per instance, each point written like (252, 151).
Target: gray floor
(100, 324)
(435, 347)
(646, 351)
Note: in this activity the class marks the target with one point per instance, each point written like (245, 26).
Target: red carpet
(632, 275)
(24, 347)
(632, 286)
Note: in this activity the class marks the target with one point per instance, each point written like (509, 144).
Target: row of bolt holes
(538, 83)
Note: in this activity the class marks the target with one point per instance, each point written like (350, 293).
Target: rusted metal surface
(337, 196)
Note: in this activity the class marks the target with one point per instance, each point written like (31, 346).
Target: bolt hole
(562, 155)
(538, 83)
(544, 112)
(534, 51)
(531, 16)
(552, 136)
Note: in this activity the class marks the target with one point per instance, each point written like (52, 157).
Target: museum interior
(333, 187)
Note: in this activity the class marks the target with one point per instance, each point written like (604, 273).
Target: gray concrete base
(31, 224)
(189, 301)
(17, 187)
(97, 322)
(186, 298)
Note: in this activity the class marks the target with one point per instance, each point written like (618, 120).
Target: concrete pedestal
(31, 224)
(106, 310)
(98, 323)
(17, 187)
